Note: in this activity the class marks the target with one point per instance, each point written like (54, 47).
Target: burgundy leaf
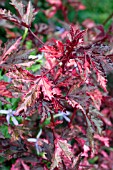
(19, 164)
(8, 50)
(53, 2)
(62, 152)
(55, 51)
(96, 96)
(4, 91)
(4, 14)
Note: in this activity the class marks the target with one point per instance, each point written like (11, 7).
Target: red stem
(72, 117)
(39, 40)
(109, 17)
(52, 120)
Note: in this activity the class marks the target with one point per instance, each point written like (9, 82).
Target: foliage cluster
(56, 108)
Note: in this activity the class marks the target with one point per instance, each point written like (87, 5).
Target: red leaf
(38, 86)
(86, 149)
(96, 96)
(4, 14)
(24, 19)
(20, 74)
(50, 12)
(25, 166)
(55, 51)
(47, 88)
(9, 49)
(18, 6)
(28, 16)
(75, 36)
(54, 2)
(3, 89)
(104, 139)
(88, 23)
(62, 152)
(19, 164)
(75, 104)
(102, 80)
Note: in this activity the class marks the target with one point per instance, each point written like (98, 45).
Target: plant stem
(25, 34)
(72, 117)
(108, 18)
(36, 37)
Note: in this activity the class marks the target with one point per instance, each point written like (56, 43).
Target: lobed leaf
(4, 14)
(96, 96)
(18, 6)
(4, 91)
(62, 151)
(29, 15)
(7, 51)
(24, 19)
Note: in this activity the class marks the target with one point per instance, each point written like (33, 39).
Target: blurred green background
(97, 10)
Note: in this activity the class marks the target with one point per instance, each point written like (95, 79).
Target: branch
(36, 37)
(108, 18)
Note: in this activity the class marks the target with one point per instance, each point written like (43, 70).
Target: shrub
(59, 121)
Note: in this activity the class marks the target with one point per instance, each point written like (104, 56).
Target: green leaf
(5, 168)
(93, 160)
(2, 159)
(29, 44)
(4, 130)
